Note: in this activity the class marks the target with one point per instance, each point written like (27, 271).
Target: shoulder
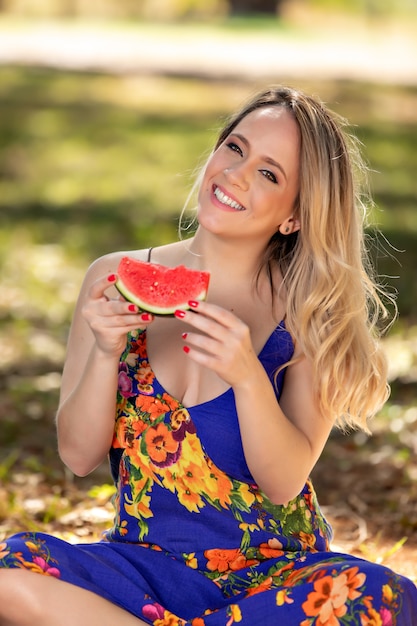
(109, 263)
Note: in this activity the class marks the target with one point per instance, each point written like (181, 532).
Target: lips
(226, 200)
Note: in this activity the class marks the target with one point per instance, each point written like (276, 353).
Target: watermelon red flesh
(158, 289)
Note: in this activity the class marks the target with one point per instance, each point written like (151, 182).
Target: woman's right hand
(111, 319)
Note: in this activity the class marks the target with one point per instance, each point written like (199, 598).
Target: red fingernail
(111, 278)
(193, 304)
(179, 313)
(145, 317)
(132, 307)
(186, 349)
(184, 335)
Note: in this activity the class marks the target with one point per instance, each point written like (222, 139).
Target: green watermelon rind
(143, 306)
(153, 308)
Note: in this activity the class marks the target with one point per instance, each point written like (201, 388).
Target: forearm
(279, 455)
(85, 418)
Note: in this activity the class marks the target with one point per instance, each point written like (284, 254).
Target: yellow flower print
(386, 592)
(218, 485)
(131, 359)
(139, 509)
(178, 418)
(169, 619)
(190, 560)
(283, 597)
(192, 501)
(193, 476)
(32, 546)
(246, 495)
(248, 527)
(235, 614)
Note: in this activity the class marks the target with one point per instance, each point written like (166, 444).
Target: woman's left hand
(224, 343)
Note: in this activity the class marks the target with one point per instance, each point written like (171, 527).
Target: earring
(287, 230)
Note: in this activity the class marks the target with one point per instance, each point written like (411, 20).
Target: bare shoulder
(168, 254)
(109, 263)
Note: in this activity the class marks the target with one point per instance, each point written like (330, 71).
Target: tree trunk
(246, 7)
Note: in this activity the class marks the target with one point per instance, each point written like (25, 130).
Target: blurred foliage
(91, 163)
(168, 10)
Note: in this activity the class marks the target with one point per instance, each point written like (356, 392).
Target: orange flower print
(328, 600)
(162, 447)
(152, 405)
(139, 347)
(375, 619)
(126, 431)
(354, 581)
(271, 549)
(145, 377)
(219, 560)
(308, 540)
(265, 585)
(3, 550)
(40, 566)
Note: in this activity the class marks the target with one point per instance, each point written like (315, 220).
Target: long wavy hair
(334, 305)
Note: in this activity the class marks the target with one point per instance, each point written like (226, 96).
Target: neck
(227, 257)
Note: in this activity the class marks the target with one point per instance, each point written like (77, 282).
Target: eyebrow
(265, 158)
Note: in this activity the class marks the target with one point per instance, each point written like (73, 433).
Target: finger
(213, 311)
(98, 288)
(212, 320)
(204, 343)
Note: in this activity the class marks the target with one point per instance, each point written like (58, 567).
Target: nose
(238, 175)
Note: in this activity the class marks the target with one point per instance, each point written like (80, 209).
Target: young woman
(215, 418)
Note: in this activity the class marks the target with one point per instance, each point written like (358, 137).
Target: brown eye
(233, 146)
(269, 175)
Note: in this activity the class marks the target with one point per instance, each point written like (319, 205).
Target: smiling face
(251, 180)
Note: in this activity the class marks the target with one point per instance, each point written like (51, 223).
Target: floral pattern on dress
(161, 446)
(41, 561)
(227, 555)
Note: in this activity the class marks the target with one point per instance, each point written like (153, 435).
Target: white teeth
(226, 200)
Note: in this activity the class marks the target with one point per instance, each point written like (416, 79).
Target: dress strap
(149, 254)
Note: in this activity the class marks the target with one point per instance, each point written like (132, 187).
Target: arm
(86, 412)
(282, 441)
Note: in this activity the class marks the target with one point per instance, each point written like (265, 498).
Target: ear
(289, 226)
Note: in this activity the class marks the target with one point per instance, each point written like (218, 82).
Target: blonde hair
(333, 302)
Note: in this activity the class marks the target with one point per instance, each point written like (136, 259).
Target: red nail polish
(193, 304)
(186, 349)
(145, 317)
(111, 278)
(184, 335)
(179, 313)
(132, 308)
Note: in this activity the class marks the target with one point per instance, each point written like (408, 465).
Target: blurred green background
(94, 161)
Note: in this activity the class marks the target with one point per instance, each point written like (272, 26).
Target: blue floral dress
(195, 542)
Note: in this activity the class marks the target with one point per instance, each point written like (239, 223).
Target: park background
(106, 107)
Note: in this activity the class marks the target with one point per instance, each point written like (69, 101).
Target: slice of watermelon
(158, 289)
